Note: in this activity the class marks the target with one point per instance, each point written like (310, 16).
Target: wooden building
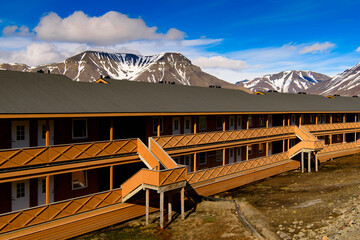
(76, 157)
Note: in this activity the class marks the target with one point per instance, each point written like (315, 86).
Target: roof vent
(101, 81)
(330, 96)
(40, 71)
(258, 93)
(336, 95)
(301, 92)
(355, 96)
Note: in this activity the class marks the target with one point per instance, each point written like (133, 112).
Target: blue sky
(233, 40)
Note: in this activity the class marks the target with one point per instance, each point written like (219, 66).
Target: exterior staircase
(309, 142)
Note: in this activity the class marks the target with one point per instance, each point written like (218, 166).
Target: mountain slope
(345, 84)
(287, 81)
(166, 67)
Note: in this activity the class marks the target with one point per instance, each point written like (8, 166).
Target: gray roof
(39, 93)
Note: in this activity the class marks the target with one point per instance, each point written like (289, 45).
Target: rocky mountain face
(344, 84)
(167, 67)
(286, 82)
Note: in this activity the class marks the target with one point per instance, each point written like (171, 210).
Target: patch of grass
(209, 220)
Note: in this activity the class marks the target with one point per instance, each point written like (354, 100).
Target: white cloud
(110, 28)
(317, 48)
(14, 30)
(220, 62)
(358, 49)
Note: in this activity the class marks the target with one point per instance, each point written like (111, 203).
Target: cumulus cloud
(110, 28)
(14, 30)
(220, 62)
(317, 48)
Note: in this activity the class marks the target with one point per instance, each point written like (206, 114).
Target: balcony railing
(332, 126)
(167, 142)
(13, 158)
(233, 168)
(339, 147)
(41, 214)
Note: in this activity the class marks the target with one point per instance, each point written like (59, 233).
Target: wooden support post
(283, 147)
(267, 148)
(161, 209)
(195, 125)
(316, 163)
(111, 129)
(267, 121)
(300, 120)
(47, 192)
(344, 138)
(289, 120)
(330, 136)
(224, 157)
(147, 206)
(247, 123)
(344, 118)
(316, 119)
(158, 128)
(195, 162)
(182, 199)
(247, 152)
(309, 161)
(355, 137)
(170, 207)
(302, 162)
(111, 177)
(355, 118)
(47, 133)
(284, 120)
(330, 118)
(224, 124)
(288, 144)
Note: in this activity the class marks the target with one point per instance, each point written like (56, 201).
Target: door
(187, 125)
(20, 134)
(239, 122)
(231, 123)
(231, 155)
(176, 125)
(188, 162)
(42, 132)
(20, 195)
(42, 190)
(238, 154)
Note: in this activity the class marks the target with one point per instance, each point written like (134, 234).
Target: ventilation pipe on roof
(355, 96)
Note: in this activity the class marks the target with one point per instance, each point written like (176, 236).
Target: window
(231, 122)
(261, 121)
(239, 122)
(176, 124)
(231, 152)
(202, 123)
(250, 121)
(250, 150)
(187, 160)
(79, 180)
(156, 121)
(323, 118)
(79, 128)
(202, 159)
(261, 148)
(219, 122)
(219, 155)
(239, 151)
(20, 190)
(20, 132)
(43, 185)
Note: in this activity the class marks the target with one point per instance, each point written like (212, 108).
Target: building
(76, 157)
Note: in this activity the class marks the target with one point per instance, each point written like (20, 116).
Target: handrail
(11, 158)
(331, 126)
(147, 156)
(163, 157)
(311, 145)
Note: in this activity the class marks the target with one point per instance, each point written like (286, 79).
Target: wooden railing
(233, 168)
(304, 134)
(187, 140)
(154, 178)
(310, 145)
(339, 147)
(147, 156)
(163, 157)
(41, 214)
(12, 158)
(332, 127)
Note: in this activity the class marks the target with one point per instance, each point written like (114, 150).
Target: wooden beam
(170, 207)
(330, 118)
(288, 144)
(147, 204)
(267, 148)
(111, 177)
(247, 123)
(224, 124)
(289, 120)
(111, 129)
(330, 136)
(267, 121)
(316, 119)
(300, 120)
(195, 125)
(344, 138)
(283, 145)
(247, 152)
(158, 128)
(309, 161)
(161, 209)
(224, 156)
(195, 166)
(283, 120)
(355, 118)
(47, 191)
(47, 133)
(182, 200)
(344, 118)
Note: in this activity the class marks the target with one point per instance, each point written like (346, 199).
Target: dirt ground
(293, 205)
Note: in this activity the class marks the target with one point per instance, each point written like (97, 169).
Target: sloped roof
(38, 93)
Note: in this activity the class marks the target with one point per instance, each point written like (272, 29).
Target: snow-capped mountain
(286, 81)
(166, 67)
(344, 84)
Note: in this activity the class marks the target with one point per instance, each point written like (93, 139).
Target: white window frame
(86, 128)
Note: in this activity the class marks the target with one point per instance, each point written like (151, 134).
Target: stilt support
(309, 161)
(170, 207)
(316, 163)
(302, 162)
(147, 206)
(182, 199)
(161, 209)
